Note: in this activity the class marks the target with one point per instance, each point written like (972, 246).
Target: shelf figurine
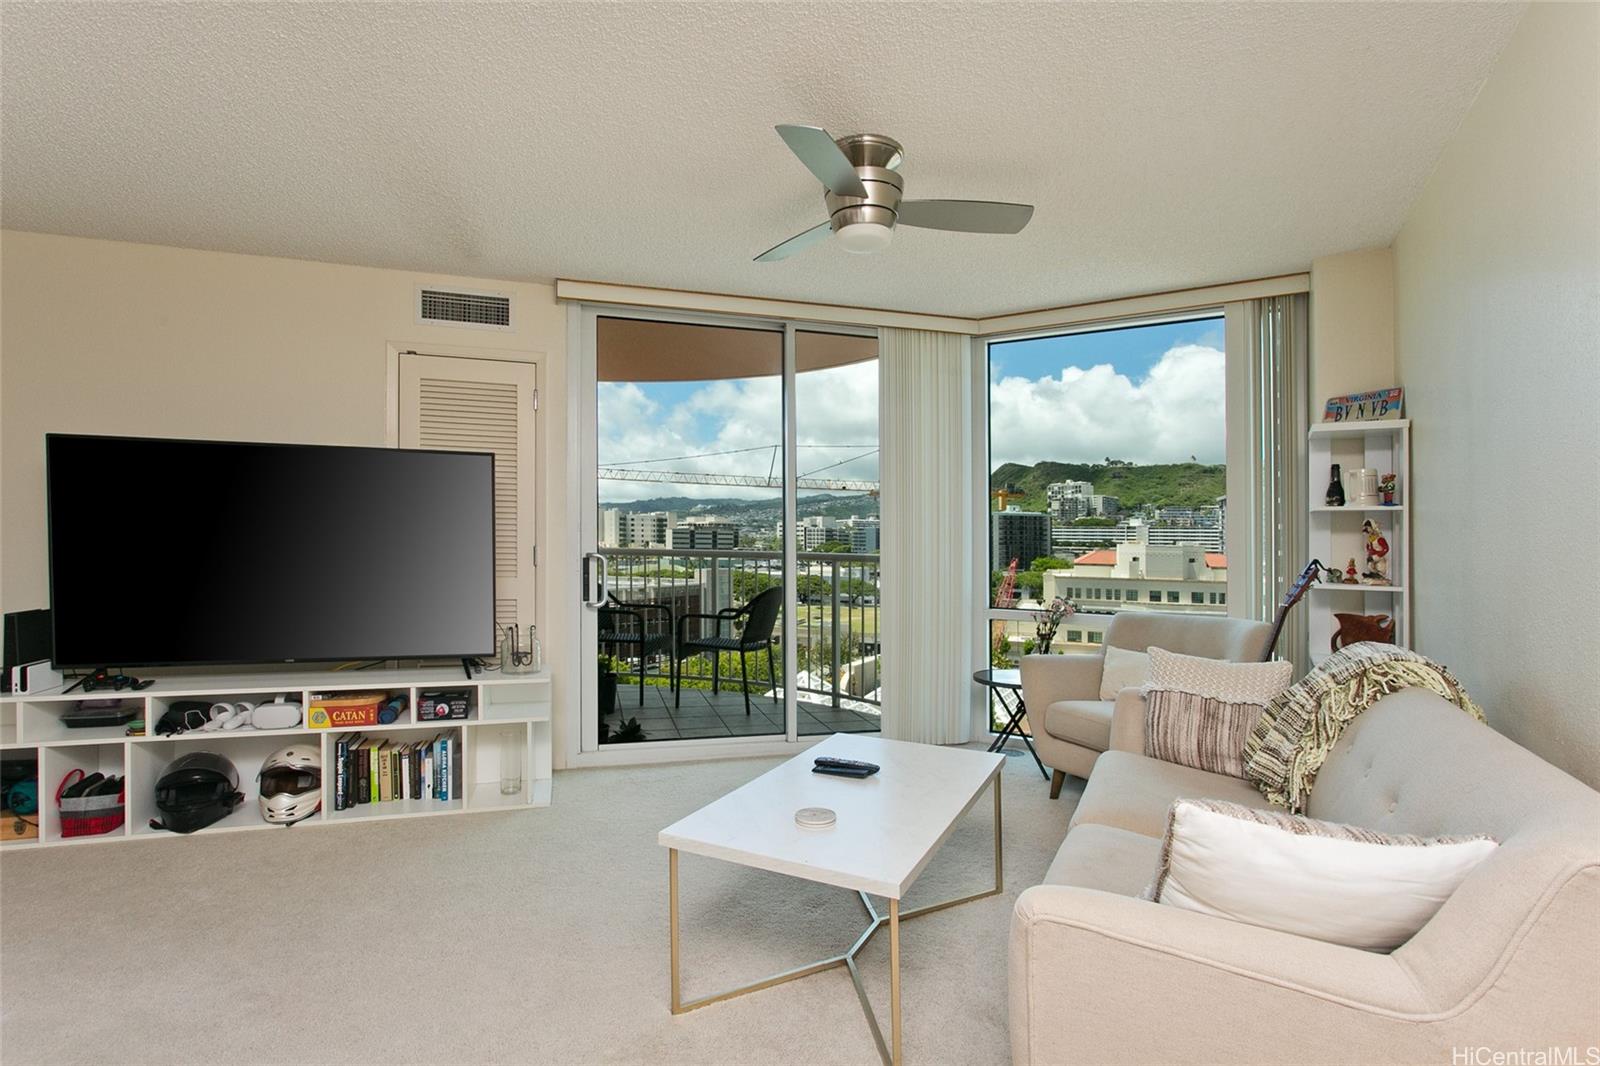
(1386, 486)
(1350, 577)
(1377, 569)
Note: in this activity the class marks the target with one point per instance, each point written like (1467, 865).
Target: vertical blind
(1277, 343)
(926, 609)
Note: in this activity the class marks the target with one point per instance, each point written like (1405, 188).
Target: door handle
(600, 572)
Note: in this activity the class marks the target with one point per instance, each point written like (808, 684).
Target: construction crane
(1003, 496)
(634, 471)
(1007, 596)
(613, 473)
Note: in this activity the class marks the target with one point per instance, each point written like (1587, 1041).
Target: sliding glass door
(730, 538)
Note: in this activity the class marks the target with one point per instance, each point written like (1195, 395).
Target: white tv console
(511, 709)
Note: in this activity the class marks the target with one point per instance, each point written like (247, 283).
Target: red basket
(90, 816)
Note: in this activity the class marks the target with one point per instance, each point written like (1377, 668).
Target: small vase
(510, 766)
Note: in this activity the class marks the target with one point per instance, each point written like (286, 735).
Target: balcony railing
(836, 631)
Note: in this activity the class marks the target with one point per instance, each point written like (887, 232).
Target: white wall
(1352, 325)
(1497, 276)
(108, 337)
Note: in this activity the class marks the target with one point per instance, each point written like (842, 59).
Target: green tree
(833, 546)
(1049, 562)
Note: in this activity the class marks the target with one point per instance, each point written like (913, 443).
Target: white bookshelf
(511, 709)
(1334, 533)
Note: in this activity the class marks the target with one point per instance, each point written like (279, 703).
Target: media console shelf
(512, 709)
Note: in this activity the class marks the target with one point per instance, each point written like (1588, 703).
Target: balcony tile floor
(703, 714)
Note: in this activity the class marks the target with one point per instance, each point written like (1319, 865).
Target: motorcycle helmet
(291, 784)
(196, 790)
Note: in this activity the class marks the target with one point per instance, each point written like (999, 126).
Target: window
(1106, 442)
(1197, 597)
(1222, 597)
(1213, 597)
(1075, 636)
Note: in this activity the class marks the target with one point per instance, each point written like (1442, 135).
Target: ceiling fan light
(864, 237)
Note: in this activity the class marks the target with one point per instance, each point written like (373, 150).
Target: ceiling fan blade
(965, 216)
(798, 243)
(824, 159)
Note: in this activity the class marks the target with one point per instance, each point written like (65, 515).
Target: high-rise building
(1018, 534)
(705, 534)
(636, 529)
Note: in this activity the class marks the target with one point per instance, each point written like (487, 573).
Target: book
(373, 776)
(359, 771)
(341, 778)
(444, 768)
(405, 771)
(456, 768)
(385, 773)
(394, 772)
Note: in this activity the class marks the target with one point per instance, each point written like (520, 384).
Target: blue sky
(1131, 352)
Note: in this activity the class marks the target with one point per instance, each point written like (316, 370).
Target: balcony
(836, 636)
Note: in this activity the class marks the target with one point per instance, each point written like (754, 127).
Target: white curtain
(925, 609)
(1276, 346)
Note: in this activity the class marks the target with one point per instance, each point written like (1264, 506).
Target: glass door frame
(587, 493)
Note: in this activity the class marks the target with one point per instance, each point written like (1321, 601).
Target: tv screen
(178, 552)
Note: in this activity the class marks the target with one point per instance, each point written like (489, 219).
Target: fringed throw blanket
(1300, 726)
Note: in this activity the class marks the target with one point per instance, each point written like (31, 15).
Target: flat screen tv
(185, 552)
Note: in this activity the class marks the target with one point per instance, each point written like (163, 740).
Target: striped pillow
(1199, 712)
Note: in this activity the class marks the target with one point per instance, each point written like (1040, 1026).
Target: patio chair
(632, 629)
(749, 628)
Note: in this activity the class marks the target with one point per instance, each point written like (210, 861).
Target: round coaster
(815, 818)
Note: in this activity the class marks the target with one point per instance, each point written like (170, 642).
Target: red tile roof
(1216, 560)
(1098, 557)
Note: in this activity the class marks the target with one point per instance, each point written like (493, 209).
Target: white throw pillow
(1123, 669)
(1338, 883)
(1220, 679)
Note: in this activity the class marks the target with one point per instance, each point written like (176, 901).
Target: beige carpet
(517, 937)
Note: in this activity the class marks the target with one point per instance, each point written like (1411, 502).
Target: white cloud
(1085, 415)
(834, 406)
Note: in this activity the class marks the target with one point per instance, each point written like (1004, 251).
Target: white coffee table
(889, 826)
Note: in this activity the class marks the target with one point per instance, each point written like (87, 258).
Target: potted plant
(1048, 620)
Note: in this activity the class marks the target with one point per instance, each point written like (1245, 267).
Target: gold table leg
(890, 1050)
(894, 981)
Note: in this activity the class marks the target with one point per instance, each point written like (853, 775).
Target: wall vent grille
(480, 310)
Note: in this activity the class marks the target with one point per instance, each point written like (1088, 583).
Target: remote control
(826, 764)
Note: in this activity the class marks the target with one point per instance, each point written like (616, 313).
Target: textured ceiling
(1164, 145)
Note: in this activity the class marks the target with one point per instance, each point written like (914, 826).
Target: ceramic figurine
(1350, 577)
(1386, 486)
(1377, 569)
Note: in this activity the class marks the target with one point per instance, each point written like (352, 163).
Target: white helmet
(291, 783)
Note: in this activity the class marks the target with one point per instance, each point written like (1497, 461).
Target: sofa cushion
(1123, 669)
(1111, 860)
(1339, 883)
(1086, 722)
(1132, 792)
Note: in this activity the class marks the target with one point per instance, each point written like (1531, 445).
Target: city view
(1107, 489)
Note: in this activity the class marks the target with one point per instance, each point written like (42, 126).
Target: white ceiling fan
(862, 189)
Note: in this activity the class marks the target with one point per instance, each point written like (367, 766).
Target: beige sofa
(1071, 724)
(1511, 961)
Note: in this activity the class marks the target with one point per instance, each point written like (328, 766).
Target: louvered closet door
(483, 405)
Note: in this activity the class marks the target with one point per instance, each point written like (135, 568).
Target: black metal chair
(749, 629)
(629, 627)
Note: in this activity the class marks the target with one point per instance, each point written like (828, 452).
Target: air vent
(477, 310)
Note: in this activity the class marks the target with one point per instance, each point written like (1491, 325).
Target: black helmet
(196, 790)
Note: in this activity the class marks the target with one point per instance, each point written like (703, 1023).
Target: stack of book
(381, 770)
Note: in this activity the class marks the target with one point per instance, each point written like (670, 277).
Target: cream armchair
(1071, 724)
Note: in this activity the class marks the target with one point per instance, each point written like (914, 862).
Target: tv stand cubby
(504, 710)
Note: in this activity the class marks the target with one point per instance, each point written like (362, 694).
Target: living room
(511, 444)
